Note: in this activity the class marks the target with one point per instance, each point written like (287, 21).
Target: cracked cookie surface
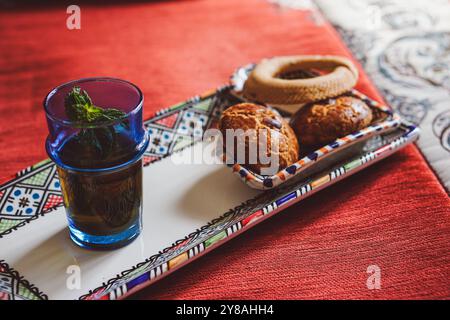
(263, 121)
(320, 123)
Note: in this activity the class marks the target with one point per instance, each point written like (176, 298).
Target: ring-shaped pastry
(266, 83)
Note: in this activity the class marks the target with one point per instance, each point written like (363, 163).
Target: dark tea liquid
(101, 203)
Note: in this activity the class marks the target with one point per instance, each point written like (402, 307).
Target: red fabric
(395, 214)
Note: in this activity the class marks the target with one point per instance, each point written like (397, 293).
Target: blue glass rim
(140, 148)
(53, 117)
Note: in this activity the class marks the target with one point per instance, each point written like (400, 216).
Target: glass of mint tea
(97, 139)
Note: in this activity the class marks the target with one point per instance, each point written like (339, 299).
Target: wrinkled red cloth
(394, 215)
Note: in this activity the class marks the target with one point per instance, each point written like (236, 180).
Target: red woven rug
(394, 215)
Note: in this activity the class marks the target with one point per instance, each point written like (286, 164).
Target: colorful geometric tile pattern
(34, 192)
(168, 121)
(13, 287)
(6, 224)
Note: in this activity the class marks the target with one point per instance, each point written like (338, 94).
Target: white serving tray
(186, 211)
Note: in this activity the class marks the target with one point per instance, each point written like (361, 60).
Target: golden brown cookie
(292, 80)
(317, 124)
(248, 116)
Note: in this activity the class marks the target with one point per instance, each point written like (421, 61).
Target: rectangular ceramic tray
(384, 121)
(38, 258)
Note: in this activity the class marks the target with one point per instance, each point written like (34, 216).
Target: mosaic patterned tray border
(172, 129)
(17, 288)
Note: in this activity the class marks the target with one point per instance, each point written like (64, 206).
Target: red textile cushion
(395, 214)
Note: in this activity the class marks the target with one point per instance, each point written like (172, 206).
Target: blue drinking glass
(99, 165)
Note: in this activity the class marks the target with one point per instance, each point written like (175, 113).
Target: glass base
(109, 242)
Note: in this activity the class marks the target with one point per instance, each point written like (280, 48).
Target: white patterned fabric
(404, 46)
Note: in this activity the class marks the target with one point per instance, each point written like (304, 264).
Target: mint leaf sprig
(79, 108)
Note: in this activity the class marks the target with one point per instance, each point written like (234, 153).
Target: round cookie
(320, 123)
(249, 116)
(273, 80)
